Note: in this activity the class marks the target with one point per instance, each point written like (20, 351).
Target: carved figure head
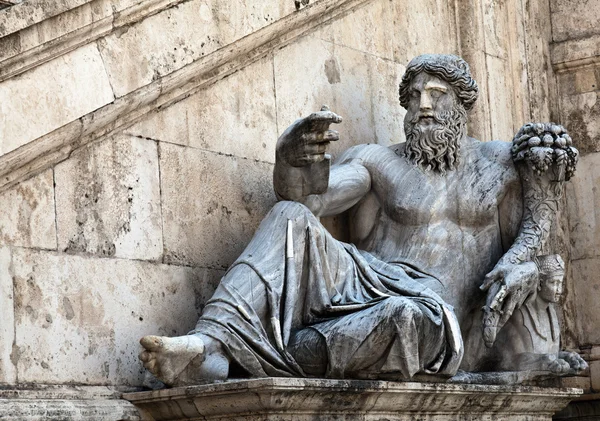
(552, 273)
(437, 91)
(450, 68)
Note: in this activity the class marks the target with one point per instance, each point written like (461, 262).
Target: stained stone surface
(309, 399)
(82, 403)
(27, 213)
(237, 117)
(230, 197)
(574, 19)
(74, 85)
(108, 200)
(189, 31)
(91, 312)
(313, 72)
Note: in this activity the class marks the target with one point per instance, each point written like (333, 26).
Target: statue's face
(434, 124)
(430, 96)
(551, 288)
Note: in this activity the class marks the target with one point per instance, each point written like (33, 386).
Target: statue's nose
(425, 104)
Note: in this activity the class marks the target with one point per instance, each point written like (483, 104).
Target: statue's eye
(435, 94)
(415, 94)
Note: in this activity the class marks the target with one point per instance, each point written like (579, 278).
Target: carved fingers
(307, 140)
(491, 278)
(508, 287)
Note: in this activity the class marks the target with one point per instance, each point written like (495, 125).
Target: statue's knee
(402, 309)
(291, 209)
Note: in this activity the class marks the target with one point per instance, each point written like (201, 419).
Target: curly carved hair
(450, 68)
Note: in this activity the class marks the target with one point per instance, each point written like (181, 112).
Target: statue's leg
(395, 338)
(241, 302)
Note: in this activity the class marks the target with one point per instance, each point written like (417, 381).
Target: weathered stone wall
(576, 61)
(137, 142)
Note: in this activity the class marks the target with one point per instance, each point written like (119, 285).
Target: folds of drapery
(329, 280)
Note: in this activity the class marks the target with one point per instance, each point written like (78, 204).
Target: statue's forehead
(424, 79)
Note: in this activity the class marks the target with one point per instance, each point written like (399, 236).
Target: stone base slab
(65, 403)
(284, 399)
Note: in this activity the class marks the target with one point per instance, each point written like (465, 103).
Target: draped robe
(331, 306)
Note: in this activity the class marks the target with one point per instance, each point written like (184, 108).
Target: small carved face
(430, 96)
(551, 287)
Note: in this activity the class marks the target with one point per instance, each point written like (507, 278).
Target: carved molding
(125, 111)
(576, 54)
(77, 35)
(30, 12)
(280, 398)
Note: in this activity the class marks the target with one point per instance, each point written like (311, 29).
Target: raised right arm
(303, 171)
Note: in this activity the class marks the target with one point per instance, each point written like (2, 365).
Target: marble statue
(440, 226)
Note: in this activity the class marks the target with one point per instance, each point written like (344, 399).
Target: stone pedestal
(285, 399)
(65, 403)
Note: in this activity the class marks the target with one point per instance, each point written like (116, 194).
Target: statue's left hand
(508, 286)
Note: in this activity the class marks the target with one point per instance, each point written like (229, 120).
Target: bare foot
(184, 360)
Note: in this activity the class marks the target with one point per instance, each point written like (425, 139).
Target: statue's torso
(446, 225)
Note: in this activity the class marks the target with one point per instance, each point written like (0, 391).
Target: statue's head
(437, 91)
(552, 273)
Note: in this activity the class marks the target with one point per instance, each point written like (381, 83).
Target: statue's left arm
(544, 159)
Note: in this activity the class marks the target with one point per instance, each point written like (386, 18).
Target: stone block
(286, 399)
(28, 13)
(579, 81)
(423, 27)
(164, 124)
(581, 116)
(388, 114)
(51, 96)
(63, 24)
(500, 89)
(595, 375)
(8, 372)
(573, 19)
(366, 29)
(211, 203)
(587, 300)
(496, 28)
(235, 116)
(583, 208)
(108, 200)
(313, 72)
(27, 213)
(579, 382)
(187, 32)
(79, 319)
(66, 403)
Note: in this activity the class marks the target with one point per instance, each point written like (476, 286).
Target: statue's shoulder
(498, 152)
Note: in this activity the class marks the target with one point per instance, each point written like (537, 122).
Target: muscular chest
(468, 196)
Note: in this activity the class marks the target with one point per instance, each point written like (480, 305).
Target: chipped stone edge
(67, 401)
(269, 395)
(79, 36)
(57, 146)
(575, 54)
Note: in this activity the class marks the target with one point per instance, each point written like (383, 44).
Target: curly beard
(436, 146)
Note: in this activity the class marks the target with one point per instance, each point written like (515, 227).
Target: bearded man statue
(434, 223)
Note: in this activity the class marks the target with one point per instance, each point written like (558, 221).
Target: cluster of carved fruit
(546, 145)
